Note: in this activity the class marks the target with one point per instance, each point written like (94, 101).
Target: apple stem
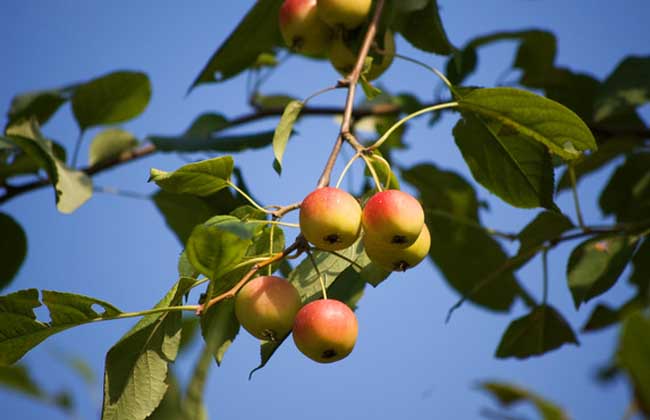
(347, 168)
(300, 245)
(404, 120)
(320, 276)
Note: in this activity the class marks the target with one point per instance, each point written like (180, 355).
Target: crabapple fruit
(393, 219)
(347, 14)
(302, 29)
(266, 307)
(392, 259)
(330, 218)
(325, 330)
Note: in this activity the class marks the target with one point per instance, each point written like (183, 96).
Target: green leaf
(237, 143)
(348, 287)
(545, 227)
(109, 144)
(305, 278)
(205, 125)
(20, 331)
(271, 102)
(72, 188)
(515, 168)
(634, 356)
(214, 250)
(533, 117)
(508, 395)
(219, 327)
(41, 105)
(183, 211)
(171, 406)
(137, 366)
(604, 316)
(200, 178)
(422, 28)
(283, 131)
(382, 168)
(13, 248)
(18, 379)
(110, 99)
(627, 87)
(596, 264)
(627, 194)
(257, 33)
(535, 56)
(606, 153)
(539, 332)
(451, 210)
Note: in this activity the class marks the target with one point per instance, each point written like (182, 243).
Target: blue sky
(408, 363)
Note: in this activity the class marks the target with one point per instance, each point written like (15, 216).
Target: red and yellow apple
(392, 219)
(325, 330)
(330, 218)
(347, 14)
(267, 306)
(303, 31)
(402, 259)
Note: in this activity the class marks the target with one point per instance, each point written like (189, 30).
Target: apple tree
(246, 268)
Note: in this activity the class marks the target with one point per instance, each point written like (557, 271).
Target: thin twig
(299, 245)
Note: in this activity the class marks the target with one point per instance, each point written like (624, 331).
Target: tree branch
(352, 79)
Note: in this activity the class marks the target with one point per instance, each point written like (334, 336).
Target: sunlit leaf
(214, 250)
(136, 367)
(20, 331)
(532, 116)
(110, 99)
(200, 178)
(513, 167)
(283, 131)
(109, 144)
(72, 188)
(41, 105)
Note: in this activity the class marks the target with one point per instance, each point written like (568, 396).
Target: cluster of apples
(394, 234)
(321, 28)
(395, 238)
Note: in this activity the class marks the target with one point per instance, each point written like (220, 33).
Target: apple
(392, 259)
(266, 307)
(347, 14)
(343, 58)
(330, 218)
(392, 219)
(302, 29)
(325, 330)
